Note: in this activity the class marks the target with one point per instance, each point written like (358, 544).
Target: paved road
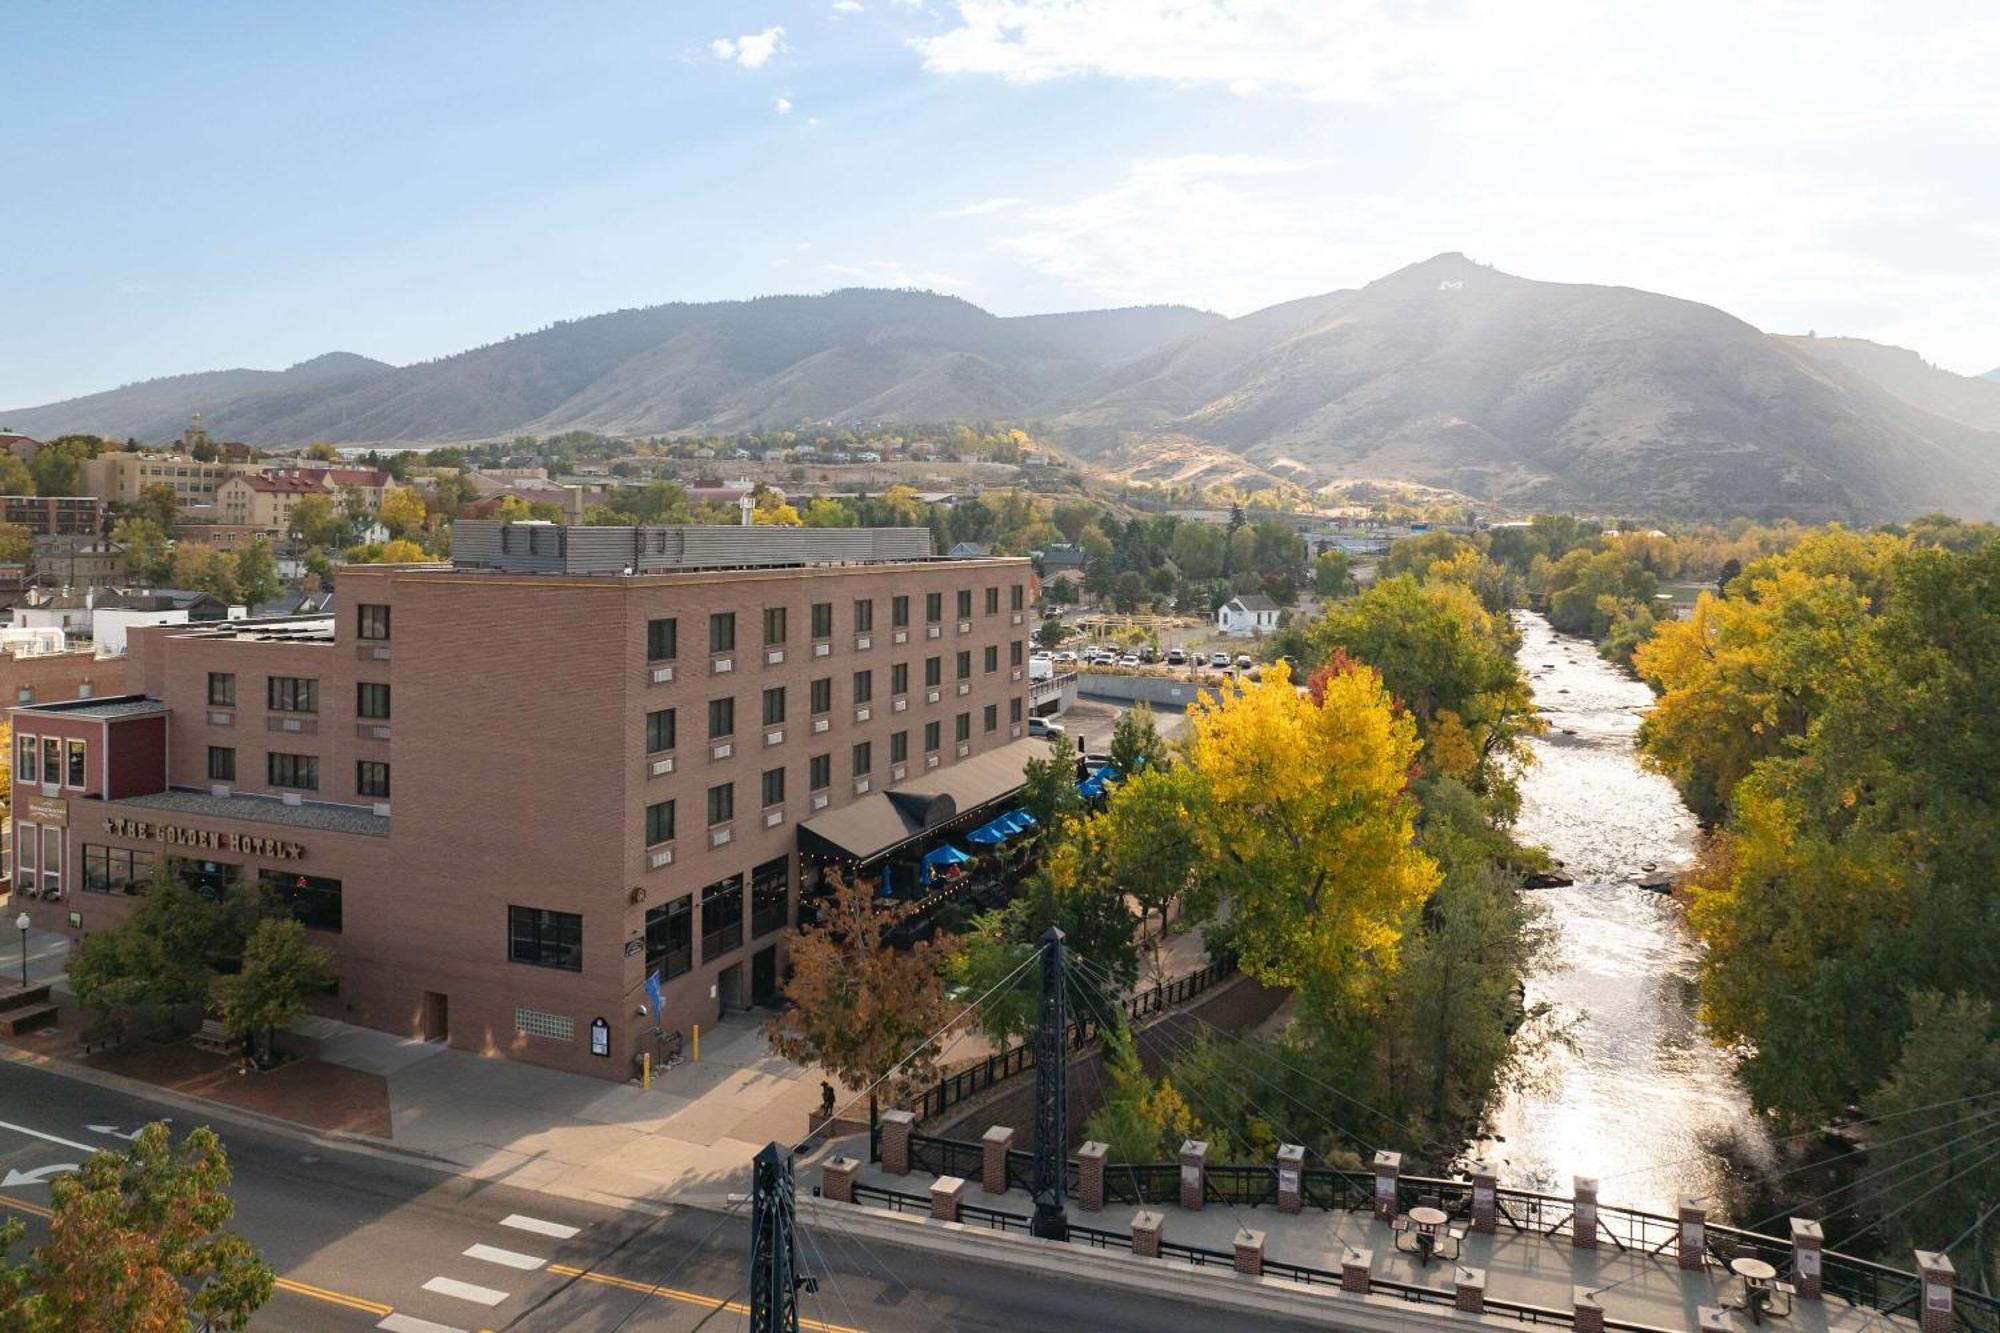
(364, 1243)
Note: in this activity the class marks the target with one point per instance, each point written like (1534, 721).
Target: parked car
(1175, 657)
(1218, 659)
(1149, 655)
(1244, 662)
(1065, 656)
(1130, 659)
(1041, 726)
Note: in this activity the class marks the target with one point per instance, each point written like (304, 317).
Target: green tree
(145, 558)
(401, 511)
(315, 522)
(137, 1242)
(167, 952)
(1136, 744)
(16, 543)
(1331, 576)
(160, 503)
(15, 479)
(257, 572)
(281, 971)
(1048, 790)
(822, 512)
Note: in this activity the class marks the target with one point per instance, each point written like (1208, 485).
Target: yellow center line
(27, 1207)
(685, 1297)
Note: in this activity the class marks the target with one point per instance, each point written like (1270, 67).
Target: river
(1637, 1097)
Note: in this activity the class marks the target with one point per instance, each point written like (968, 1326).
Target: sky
(189, 187)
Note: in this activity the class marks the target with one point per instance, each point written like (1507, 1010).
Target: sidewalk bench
(215, 1037)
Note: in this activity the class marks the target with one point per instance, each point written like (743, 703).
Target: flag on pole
(653, 997)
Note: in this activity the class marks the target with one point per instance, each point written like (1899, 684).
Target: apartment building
(506, 792)
(54, 515)
(119, 477)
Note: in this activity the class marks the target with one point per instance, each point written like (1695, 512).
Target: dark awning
(881, 822)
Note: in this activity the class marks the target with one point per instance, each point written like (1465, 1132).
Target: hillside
(1969, 401)
(1541, 394)
(847, 356)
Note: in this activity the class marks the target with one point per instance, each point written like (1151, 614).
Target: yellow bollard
(646, 1071)
(697, 1043)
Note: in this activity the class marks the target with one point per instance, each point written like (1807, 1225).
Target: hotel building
(505, 792)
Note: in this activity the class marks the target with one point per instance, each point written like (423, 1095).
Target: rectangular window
(931, 738)
(222, 689)
(663, 640)
(659, 823)
(670, 938)
(819, 771)
(1014, 653)
(992, 717)
(299, 771)
(899, 746)
(312, 900)
(51, 760)
(899, 678)
(371, 622)
(899, 612)
(774, 705)
(822, 695)
(114, 869)
(774, 625)
(545, 939)
(773, 785)
(77, 765)
(722, 632)
(371, 700)
(964, 665)
(221, 763)
(721, 804)
(933, 607)
(822, 620)
(1014, 709)
(24, 759)
(965, 603)
(660, 730)
(864, 759)
(962, 727)
(992, 601)
(991, 662)
(864, 686)
(721, 917)
(864, 615)
(933, 671)
(371, 779)
(291, 694)
(1015, 597)
(770, 896)
(721, 718)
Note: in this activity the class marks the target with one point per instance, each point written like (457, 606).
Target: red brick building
(504, 795)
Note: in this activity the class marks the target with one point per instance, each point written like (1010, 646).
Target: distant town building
(43, 666)
(263, 502)
(54, 515)
(121, 478)
(1253, 613)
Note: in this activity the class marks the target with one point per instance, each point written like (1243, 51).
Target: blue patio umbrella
(946, 855)
(988, 834)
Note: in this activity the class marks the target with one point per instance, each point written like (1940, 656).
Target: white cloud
(750, 50)
(983, 207)
(847, 6)
(784, 105)
(894, 273)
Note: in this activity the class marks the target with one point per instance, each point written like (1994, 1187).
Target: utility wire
(1894, 1168)
(1966, 1235)
(1913, 1202)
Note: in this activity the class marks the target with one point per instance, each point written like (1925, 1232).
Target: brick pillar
(836, 1179)
(1693, 1239)
(1090, 1176)
(1194, 1173)
(1469, 1290)
(1583, 1226)
(1355, 1266)
(1291, 1177)
(1485, 1197)
(897, 1127)
(996, 1143)
(947, 1193)
(1250, 1253)
(1808, 1240)
(1388, 1167)
(1146, 1226)
(1934, 1315)
(1589, 1315)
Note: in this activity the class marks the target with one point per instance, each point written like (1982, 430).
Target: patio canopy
(883, 821)
(946, 855)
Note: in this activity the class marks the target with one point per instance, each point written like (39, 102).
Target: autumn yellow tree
(1305, 824)
(401, 511)
(858, 1007)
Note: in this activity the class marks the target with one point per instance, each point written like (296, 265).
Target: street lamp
(22, 923)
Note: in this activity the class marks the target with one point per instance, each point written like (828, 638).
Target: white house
(1240, 617)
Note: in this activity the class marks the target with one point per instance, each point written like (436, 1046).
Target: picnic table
(1429, 1234)
(1761, 1288)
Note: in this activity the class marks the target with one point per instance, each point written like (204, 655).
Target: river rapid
(1637, 1097)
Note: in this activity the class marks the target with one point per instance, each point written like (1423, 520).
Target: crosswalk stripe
(492, 1254)
(465, 1291)
(403, 1323)
(522, 1222)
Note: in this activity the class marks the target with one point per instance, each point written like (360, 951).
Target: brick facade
(521, 773)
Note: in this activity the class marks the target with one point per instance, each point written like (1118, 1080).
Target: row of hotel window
(300, 694)
(300, 772)
(663, 635)
(722, 712)
(555, 939)
(51, 759)
(312, 899)
(819, 772)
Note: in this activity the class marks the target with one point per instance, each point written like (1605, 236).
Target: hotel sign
(207, 840)
(51, 812)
